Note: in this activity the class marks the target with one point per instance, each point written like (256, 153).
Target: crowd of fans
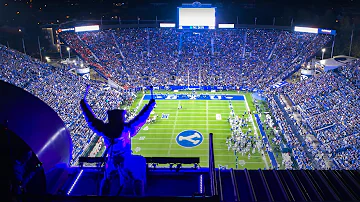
(250, 58)
(297, 147)
(62, 91)
(352, 72)
(253, 58)
(329, 103)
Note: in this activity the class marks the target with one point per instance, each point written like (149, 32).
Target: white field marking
(140, 102)
(190, 119)
(204, 161)
(255, 131)
(219, 134)
(197, 102)
(195, 105)
(186, 124)
(194, 116)
(182, 155)
(219, 144)
(209, 114)
(218, 117)
(152, 129)
(147, 128)
(173, 130)
(205, 93)
(182, 149)
(191, 102)
(192, 125)
(207, 117)
(137, 149)
(168, 138)
(195, 109)
(168, 133)
(210, 111)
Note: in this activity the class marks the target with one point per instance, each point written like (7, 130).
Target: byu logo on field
(189, 138)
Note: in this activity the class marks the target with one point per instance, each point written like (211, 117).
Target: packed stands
(250, 58)
(352, 72)
(330, 105)
(62, 91)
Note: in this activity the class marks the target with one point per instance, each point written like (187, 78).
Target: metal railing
(212, 174)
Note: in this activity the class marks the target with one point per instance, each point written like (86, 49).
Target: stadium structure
(232, 121)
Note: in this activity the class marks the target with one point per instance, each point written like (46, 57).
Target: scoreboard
(196, 16)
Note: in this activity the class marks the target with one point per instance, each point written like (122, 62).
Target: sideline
(270, 153)
(255, 131)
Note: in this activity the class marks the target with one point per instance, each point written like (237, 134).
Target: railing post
(213, 184)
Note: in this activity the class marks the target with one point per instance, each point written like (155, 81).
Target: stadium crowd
(329, 103)
(252, 58)
(62, 91)
(352, 72)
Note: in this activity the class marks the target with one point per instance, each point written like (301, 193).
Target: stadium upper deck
(237, 57)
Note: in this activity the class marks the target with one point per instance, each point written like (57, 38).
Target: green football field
(205, 116)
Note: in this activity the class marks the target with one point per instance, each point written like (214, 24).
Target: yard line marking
(194, 116)
(168, 138)
(204, 161)
(194, 109)
(183, 124)
(140, 103)
(204, 103)
(203, 93)
(207, 117)
(182, 155)
(188, 115)
(173, 130)
(153, 128)
(156, 143)
(255, 131)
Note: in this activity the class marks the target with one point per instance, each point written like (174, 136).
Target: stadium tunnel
(29, 123)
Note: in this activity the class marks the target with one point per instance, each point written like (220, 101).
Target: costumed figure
(117, 134)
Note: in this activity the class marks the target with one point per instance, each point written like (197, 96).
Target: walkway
(263, 134)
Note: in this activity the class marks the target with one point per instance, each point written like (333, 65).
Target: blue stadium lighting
(201, 184)
(75, 182)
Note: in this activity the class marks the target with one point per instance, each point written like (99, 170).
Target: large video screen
(196, 18)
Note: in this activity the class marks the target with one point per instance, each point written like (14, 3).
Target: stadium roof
(335, 62)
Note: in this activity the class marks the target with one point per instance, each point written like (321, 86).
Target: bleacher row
(62, 91)
(246, 57)
(329, 104)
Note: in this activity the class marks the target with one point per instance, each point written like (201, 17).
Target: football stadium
(181, 113)
(187, 107)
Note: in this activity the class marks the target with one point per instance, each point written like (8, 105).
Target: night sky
(30, 16)
(27, 12)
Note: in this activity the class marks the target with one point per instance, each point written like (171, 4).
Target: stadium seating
(239, 57)
(330, 105)
(254, 58)
(61, 90)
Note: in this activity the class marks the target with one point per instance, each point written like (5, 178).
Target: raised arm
(138, 121)
(95, 124)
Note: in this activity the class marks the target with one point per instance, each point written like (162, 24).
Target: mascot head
(116, 115)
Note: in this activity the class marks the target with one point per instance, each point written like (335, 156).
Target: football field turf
(161, 138)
